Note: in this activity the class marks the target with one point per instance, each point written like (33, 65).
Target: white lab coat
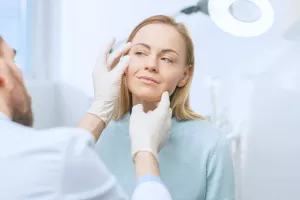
(59, 163)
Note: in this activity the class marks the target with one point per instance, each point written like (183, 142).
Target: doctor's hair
(180, 98)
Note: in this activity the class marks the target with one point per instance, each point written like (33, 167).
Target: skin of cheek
(151, 93)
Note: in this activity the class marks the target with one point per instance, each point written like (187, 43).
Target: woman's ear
(185, 78)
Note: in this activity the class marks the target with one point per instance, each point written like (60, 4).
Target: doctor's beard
(20, 103)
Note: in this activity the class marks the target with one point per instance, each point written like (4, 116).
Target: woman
(195, 162)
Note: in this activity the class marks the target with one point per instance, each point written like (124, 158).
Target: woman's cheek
(130, 68)
(134, 66)
(170, 84)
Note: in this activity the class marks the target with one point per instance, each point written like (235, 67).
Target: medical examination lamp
(222, 14)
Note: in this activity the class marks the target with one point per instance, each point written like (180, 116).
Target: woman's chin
(148, 97)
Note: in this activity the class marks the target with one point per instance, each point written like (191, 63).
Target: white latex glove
(148, 131)
(107, 81)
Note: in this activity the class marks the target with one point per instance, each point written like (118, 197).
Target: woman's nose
(151, 65)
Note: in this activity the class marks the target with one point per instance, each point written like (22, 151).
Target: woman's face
(158, 62)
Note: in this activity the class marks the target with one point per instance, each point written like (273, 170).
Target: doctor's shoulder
(67, 139)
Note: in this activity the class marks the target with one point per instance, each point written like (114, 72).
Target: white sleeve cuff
(151, 187)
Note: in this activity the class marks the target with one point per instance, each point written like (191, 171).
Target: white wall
(73, 104)
(45, 103)
(271, 170)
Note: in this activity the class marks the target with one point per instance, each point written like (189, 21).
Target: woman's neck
(146, 104)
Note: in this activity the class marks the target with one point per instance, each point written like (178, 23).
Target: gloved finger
(116, 55)
(122, 65)
(103, 57)
(108, 49)
(164, 102)
(169, 116)
(137, 108)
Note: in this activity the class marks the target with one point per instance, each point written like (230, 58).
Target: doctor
(60, 163)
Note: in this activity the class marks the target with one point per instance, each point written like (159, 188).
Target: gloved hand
(107, 81)
(148, 131)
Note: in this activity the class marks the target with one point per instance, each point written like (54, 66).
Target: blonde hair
(180, 98)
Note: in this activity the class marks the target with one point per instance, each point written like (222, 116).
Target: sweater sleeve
(220, 172)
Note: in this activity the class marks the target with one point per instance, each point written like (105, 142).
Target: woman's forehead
(160, 36)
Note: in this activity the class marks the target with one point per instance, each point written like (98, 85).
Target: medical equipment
(220, 13)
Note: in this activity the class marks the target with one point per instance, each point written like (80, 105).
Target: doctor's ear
(2, 81)
(5, 74)
(185, 77)
(2, 72)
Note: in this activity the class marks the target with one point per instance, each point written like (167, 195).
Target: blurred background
(249, 87)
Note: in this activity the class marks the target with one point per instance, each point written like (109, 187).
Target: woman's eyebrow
(169, 50)
(163, 50)
(143, 44)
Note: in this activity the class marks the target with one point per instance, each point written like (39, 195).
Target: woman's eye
(167, 60)
(140, 53)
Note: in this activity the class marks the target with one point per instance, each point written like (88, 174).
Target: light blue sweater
(195, 163)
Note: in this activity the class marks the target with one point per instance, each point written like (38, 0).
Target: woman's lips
(147, 80)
